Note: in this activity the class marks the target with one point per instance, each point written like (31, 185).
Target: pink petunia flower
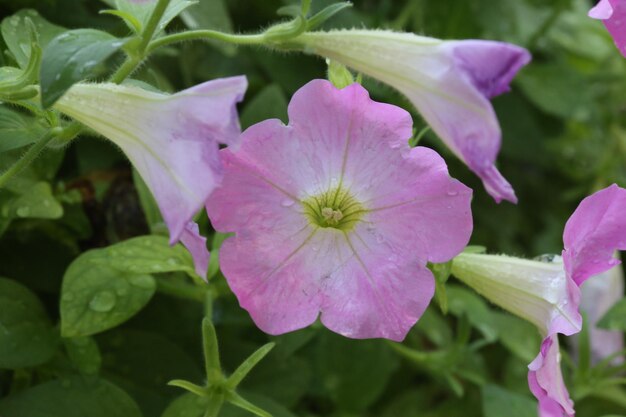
(449, 82)
(547, 293)
(335, 215)
(172, 140)
(613, 15)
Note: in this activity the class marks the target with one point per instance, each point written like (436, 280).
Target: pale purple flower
(335, 215)
(548, 294)
(613, 15)
(172, 140)
(598, 296)
(449, 82)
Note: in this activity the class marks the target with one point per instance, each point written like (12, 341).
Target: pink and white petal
(601, 11)
(196, 245)
(253, 195)
(375, 293)
(416, 209)
(545, 380)
(595, 230)
(274, 279)
(613, 15)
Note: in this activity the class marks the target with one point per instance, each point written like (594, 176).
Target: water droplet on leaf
(142, 281)
(103, 302)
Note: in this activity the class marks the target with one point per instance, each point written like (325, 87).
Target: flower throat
(336, 208)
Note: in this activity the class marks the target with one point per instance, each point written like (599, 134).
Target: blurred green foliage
(564, 136)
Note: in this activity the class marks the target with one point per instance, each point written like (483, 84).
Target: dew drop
(142, 281)
(103, 302)
(287, 203)
(122, 291)
(452, 193)
(172, 261)
(57, 77)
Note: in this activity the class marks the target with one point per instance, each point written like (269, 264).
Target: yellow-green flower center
(336, 208)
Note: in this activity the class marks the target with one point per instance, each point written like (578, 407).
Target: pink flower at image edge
(613, 15)
(593, 233)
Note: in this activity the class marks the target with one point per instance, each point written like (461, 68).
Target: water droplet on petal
(287, 203)
(103, 302)
(452, 193)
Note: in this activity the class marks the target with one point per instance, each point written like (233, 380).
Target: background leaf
(71, 57)
(27, 337)
(71, 397)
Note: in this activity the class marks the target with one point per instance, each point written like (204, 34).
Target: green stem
(151, 26)
(191, 35)
(125, 70)
(134, 59)
(181, 290)
(28, 157)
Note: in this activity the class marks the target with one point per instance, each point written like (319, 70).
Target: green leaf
(141, 11)
(71, 397)
(190, 405)
(72, 57)
(84, 354)
(187, 405)
(269, 103)
(498, 402)
(105, 287)
(148, 203)
(18, 129)
(96, 296)
(615, 318)
(142, 363)
(519, 336)
(27, 337)
(16, 34)
(37, 201)
(147, 255)
(466, 302)
(354, 373)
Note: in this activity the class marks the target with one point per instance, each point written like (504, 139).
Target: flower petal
(416, 209)
(613, 15)
(594, 232)
(373, 292)
(602, 11)
(449, 83)
(196, 245)
(172, 140)
(546, 381)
